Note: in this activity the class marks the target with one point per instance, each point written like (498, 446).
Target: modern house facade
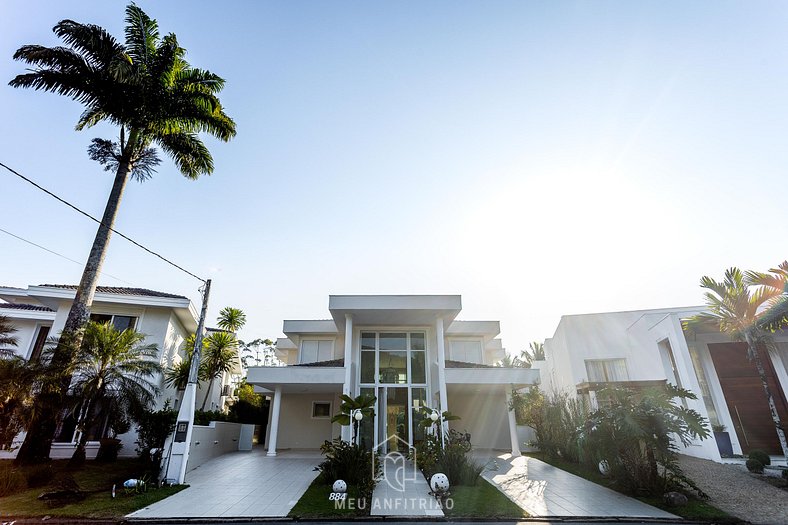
(39, 313)
(410, 352)
(647, 348)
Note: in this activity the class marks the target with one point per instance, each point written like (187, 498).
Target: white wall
(297, 428)
(211, 441)
(485, 416)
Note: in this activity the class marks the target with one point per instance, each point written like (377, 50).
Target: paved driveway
(240, 484)
(546, 491)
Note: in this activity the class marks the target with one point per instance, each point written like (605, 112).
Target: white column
(512, 424)
(347, 387)
(442, 370)
(275, 421)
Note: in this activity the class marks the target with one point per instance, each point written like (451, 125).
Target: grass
(482, 501)
(694, 509)
(96, 479)
(315, 503)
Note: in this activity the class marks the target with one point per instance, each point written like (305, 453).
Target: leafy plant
(452, 459)
(761, 456)
(364, 403)
(349, 462)
(753, 465)
(11, 481)
(633, 431)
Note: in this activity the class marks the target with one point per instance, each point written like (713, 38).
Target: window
(317, 350)
(465, 351)
(321, 409)
(605, 370)
(398, 354)
(120, 322)
(41, 339)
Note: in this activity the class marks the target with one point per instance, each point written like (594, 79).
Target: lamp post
(435, 415)
(356, 415)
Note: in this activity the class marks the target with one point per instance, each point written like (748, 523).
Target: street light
(435, 415)
(358, 416)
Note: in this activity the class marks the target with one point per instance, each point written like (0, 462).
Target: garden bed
(95, 480)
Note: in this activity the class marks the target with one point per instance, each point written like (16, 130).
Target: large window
(317, 350)
(605, 370)
(465, 350)
(120, 322)
(401, 358)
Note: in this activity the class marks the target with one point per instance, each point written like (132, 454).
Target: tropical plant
(746, 309)
(349, 462)
(146, 88)
(526, 358)
(231, 319)
(250, 407)
(17, 380)
(427, 422)
(7, 339)
(250, 352)
(363, 403)
(634, 432)
(177, 376)
(221, 354)
(112, 376)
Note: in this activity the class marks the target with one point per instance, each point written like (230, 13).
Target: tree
(6, 336)
(364, 403)
(177, 376)
(146, 88)
(740, 307)
(231, 319)
(112, 377)
(526, 357)
(220, 355)
(251, 352)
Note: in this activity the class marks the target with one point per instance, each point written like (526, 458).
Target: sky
(538, 158)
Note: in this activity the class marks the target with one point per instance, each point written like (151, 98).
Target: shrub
(204, 417)
(351, 463)
(634, 432)
(11, 481)
(753, 465)
(761, 456)
(454, 459)
(152, 431)
(39, 476)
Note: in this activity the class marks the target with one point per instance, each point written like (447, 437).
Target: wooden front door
(745, 397)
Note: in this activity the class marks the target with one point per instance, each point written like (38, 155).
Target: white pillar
(347, 431)
(512, 424)
(442, 370)
(275, 421)
(179, 450)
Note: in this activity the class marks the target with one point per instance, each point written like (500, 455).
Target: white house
(649, 347)
(409, 351)
(39, 312)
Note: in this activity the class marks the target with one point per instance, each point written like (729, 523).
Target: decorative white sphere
(434, 416)
(359, 416)
(439, 482)
(604, 467)
(339, 486)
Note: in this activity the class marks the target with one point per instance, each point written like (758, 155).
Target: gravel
(733, 489)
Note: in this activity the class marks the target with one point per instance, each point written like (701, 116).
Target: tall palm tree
(7, 339)
(146, 88)
(112, 375)
(736, 306)
(177, 376)
(231, 319)
(221, 353)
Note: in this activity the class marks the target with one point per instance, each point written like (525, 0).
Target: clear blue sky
(539, 158)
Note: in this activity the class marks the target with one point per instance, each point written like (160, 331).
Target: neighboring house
(39, 312)
(407, 350)
(649, 347)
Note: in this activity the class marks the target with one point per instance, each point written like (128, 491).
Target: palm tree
(231, 319)
(736, 307)
(112, 376)
(6, 336)
(177, 376)
(146, 88)
(17, 380)
(221, 354)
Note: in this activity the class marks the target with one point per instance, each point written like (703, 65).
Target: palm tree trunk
(755, 355)
(86, 421)
(41, 431)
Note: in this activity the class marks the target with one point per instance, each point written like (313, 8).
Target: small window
(317, 350)
(321, 409)
(120, 322)
(465, 351)
(41, 339)
(605, 370)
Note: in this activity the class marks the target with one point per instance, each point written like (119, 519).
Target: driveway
(240, 484)
(546, 491)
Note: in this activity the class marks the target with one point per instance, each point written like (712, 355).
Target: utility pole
(182, 438)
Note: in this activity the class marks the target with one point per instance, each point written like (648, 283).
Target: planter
(724, 444)
(108, 450)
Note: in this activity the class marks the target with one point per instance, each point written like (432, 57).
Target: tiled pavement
(543, 490)
(402, 491)
(240, 484)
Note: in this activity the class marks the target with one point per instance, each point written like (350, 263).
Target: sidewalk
(546, 491)
(403, 491)
(240, 484)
